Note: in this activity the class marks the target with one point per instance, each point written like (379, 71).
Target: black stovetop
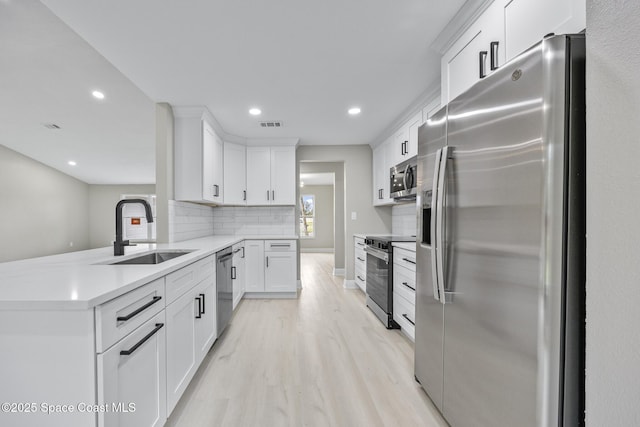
(384, 242)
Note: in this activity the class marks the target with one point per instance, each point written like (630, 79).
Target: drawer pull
(360, 278)
(410, 321)
(360, 259)
(233, 273)
(407, 285)
(360, 244)
(409, 261)
(142, 341)
(280, 245)
(138, 311)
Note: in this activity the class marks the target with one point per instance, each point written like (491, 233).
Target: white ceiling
(317, 179)
(302, 62)
(47, 76)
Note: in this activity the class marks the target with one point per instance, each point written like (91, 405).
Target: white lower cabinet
(191, 331)
(360, 264)
(271, 268)
(404, 290)
(132, 378)
(238, 273)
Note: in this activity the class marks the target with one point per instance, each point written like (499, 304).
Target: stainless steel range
(380, 276)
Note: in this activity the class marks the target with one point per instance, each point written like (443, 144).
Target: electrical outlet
(354, 216)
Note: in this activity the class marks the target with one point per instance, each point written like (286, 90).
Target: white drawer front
(404, 282)
(404, 258)
(119, 317)
(280, 245)
(405, 314)
(182, 280)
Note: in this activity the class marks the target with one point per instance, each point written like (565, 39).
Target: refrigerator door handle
(434, 238)
(444, 156)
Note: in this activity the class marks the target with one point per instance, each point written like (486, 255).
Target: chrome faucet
(119, 244)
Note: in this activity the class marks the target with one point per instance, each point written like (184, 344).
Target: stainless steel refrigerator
(499, 335)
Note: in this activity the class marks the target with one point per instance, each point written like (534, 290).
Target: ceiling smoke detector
(51, 126)
(271, 124)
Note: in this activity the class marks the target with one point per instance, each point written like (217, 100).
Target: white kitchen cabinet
(503, 31)
(404, 290)
(405, 141)
(526, 22)
(381, 164)
(271, 175)
(198, 157)
(191, 326)
(132, 376)
(235, 174)
(254, 265)
(283, 176)
(471, 57)
(411, 148)
(280, 271)
(360, 263)
(181, 348)
(271, 268)
(238, 273)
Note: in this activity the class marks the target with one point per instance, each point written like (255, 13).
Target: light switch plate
(354, 216)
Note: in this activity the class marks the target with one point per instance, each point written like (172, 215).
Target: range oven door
(378, 278)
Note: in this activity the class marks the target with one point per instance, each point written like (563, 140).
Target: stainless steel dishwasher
(224, 288)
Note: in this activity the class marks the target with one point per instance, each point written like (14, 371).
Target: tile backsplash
(255, 220)
(191, 221)
(403, 220)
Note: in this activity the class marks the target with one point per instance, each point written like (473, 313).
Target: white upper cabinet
(198, 157)
(405, 141)
(412, 129)
(271, 175)
(382, 160)
(235, 174)
(283, 175)
(503, 31)
(527, 21)
(477, 53)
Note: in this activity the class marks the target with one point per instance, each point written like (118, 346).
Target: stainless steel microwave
(403, 179)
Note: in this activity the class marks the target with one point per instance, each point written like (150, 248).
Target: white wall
(358, 192)
(42, 211)
(613, 222)
(323, 222)
(102, 210)
(164, 169)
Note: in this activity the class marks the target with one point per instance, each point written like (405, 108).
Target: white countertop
(84, 279)
(410, 246)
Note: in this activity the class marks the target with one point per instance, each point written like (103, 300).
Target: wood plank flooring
(321, 360)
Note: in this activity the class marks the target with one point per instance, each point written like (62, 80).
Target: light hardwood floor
(321, 360)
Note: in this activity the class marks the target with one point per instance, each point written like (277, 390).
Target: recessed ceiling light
(97, 94)
(71, 163)
(354, 110)
(255, 111)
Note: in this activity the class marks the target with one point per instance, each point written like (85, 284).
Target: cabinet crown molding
(462, 20)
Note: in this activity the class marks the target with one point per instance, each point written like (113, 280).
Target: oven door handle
(377, 253)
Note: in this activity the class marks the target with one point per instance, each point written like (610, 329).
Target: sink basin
(155, 257)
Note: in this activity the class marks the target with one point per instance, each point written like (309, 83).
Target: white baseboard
(317, 250)
(338, 272)
(350, 284)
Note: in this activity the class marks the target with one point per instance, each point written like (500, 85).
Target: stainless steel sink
(155, 257)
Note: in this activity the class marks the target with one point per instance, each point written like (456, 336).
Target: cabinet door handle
(360, 259)
(380, 194)
(267, 262)
(244, 195)
(483, 64)
(407, 285)
(409, 261)
(267, 194)
(273, 195)
(407, 317)
(360, 278)
(139, 310)
(494, 55)
(243, 252)
(233, 273)
(199, 315)
(216, 190)
(204, 308)
(142, 341)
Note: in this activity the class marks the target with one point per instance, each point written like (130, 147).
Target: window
(307, 216)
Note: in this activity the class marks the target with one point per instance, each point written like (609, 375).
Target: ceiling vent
(271, 124)
(51, 126)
